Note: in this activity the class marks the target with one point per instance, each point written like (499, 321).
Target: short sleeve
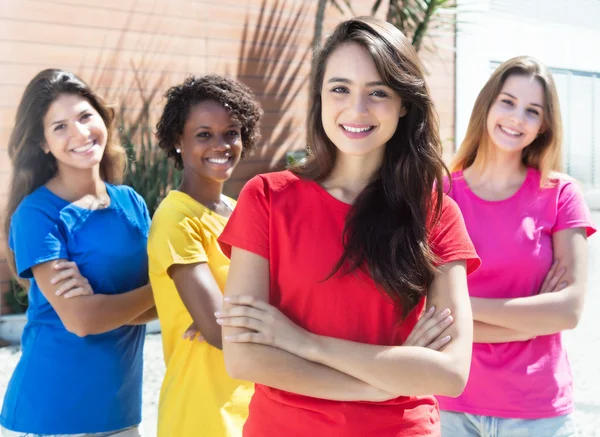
(572, 211)
(449, 239)
(175, 239)
(248, 226)
(35, 238)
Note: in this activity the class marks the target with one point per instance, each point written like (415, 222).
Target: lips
(509, 131)
(85, 148)
(356, 131)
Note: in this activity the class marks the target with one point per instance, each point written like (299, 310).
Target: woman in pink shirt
(530, 226)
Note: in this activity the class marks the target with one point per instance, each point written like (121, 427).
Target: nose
(222, 143)
(360, 104)
(80, 130)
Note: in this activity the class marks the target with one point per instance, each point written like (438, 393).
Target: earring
(178, 150)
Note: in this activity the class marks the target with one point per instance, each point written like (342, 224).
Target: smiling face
(359, 112)
(74, 132)
(211, 142)
(517, 115)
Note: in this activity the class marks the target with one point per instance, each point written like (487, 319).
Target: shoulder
(267, 185)
(124, 192)
(40, 203)
(177, 207)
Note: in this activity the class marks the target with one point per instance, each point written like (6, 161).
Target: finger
(556, 278)
(247, 300)
(429, 324)
(61, 276)
(435, 332)
(79, 291)
(426, 316)
(64, 265)
(200, 338)
(241, 311)
(250, 337)
(67, 286)
(549, 275)
(242, 322)
(440, 343)
(561, 286)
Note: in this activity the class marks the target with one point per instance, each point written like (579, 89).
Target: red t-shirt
(297, 225)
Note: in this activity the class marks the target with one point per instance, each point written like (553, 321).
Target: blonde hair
(545, 152)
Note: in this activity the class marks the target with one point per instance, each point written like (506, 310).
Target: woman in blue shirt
(73, 231)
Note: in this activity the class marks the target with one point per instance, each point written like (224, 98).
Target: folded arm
(271, 366)
(546, 313)
(92, 314)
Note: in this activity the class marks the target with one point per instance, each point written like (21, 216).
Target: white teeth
(510, 131)
(356, 129)
(218, 160)
(84, 148)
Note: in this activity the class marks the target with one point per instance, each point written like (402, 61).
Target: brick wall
(128, 48)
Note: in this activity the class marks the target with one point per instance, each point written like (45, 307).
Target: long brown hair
(31, 167)
(387, 228)
(544, 153)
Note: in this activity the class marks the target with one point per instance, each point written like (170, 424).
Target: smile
(219, 161)
(85, 148)
(510, 132)
(357, 129)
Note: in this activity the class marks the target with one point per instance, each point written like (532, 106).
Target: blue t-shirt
(65, 384)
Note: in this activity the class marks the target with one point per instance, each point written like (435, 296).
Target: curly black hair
(232, 94)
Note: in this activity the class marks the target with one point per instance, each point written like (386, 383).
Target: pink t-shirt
(513, 237)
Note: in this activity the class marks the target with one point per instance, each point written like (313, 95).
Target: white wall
(564, 37)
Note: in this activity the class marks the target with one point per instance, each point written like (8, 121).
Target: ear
(403, 111)
(44, 147)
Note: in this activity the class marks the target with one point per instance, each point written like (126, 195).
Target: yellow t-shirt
(198, 397)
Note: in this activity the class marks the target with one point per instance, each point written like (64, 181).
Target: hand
(73, 283)
(429, 330)
(552, 281)
(268, 325)
(192, 333)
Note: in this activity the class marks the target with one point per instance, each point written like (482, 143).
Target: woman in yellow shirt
(207, 125)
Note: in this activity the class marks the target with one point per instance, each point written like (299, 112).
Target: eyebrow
(513, 97)
(209, 127)
(62, 121)
(348, 81)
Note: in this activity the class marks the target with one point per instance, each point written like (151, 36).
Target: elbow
(78, 328)
(455, 380)
(215, 341)
(571, 319)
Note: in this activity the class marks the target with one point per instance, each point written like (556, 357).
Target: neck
(204, 191)
(351, 174)
(499, 170)
(75, 184)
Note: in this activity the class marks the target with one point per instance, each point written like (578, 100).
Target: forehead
(526, 88)
(66, 105)
(351, 61)
(210, 112)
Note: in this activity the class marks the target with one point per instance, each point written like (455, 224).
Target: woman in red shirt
(331, 262)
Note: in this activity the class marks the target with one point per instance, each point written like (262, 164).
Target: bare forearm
(486, 333)
(145, 317)
(101, 313)
(402, 370)
(279, 369)
(542, 314)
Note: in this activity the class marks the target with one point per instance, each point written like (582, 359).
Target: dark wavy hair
(31, 167)
(232, 94)
(387, 228)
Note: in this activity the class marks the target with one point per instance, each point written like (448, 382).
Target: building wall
(564, 38)
(126, 49)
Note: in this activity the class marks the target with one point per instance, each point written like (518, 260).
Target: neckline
(328, 197)
(516, 194)
(108, 187)
(224, 199)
